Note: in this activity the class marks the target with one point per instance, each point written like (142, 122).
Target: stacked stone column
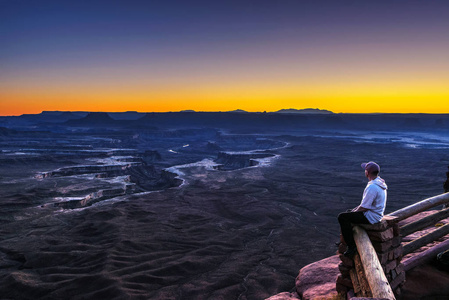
(386, 241)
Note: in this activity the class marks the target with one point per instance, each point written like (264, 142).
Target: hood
(380, 182)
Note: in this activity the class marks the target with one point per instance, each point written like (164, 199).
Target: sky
(155, 56)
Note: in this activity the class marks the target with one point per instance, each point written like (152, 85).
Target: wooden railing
(374, 273)
(421, 224)
(377, 270)
(420, 206)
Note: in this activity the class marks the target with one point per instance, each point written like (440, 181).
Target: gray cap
(371, 167)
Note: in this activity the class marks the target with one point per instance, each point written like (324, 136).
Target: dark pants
(346, 219)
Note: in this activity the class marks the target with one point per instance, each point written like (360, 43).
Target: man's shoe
(350, 252)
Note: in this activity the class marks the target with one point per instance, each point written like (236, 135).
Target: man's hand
(359, 208)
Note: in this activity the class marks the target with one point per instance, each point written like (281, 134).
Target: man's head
(371, 169)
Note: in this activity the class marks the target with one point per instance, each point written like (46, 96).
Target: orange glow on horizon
(337, 100)
(339, 85)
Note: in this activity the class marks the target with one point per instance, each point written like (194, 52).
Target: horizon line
(319, 111)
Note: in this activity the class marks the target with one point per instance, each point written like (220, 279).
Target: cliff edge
(318, 280)
(315, 281)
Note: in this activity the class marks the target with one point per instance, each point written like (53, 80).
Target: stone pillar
(386, 241)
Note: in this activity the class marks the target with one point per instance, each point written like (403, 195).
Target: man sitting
(370, 210)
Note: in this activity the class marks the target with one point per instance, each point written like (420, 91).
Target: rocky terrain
(143, 211)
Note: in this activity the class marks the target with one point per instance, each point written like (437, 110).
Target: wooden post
(424, 222)
(426, 239)
(420, 206)
(365, 290)
(425, 256)
(375, 276)
(355, 281)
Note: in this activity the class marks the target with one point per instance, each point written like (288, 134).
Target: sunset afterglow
(359, 58)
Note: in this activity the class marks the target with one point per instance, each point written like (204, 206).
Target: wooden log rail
(376, 270)
(425, 239)
(378, 283)
(424, 222)
(425, 256)
(421, 224)
(418, 207)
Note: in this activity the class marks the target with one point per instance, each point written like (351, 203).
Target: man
(370, 210)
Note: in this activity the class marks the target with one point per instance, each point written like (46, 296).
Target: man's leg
(345, 220)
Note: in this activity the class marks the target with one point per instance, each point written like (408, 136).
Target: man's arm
(359, 208)
(369, 195)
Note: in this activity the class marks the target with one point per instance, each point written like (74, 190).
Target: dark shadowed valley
(193, 205)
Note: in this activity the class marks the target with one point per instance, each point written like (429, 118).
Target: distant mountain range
(282, 111)
(304, 111)
(291, 119)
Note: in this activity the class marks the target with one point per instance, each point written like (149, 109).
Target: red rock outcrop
(317, 280)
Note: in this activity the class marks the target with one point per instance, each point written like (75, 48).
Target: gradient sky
(344, 56)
